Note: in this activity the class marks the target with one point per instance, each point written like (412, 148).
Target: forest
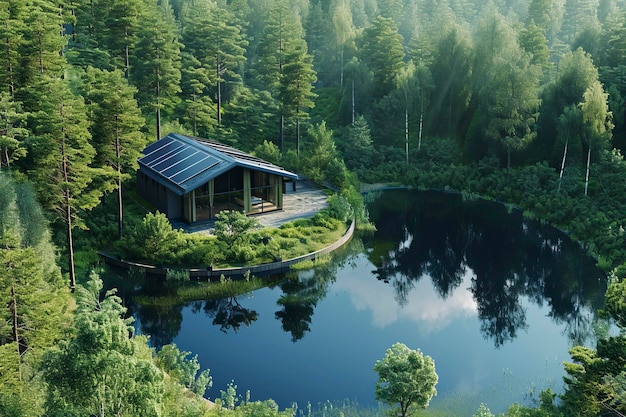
(517, 101)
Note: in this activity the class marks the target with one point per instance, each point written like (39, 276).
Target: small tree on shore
(407, 378)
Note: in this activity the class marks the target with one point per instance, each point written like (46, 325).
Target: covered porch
(241, 189)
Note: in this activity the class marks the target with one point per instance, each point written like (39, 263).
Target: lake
(494, 299)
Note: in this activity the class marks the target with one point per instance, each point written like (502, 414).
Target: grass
(195, 291)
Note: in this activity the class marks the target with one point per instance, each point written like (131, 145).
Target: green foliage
(183, 369)
(230, 404)
(232, 227)
(382, 51)
(481, 102)
(483, 411)
(102, 368)
(268, 152)
(407, 378)
(321, 160)
(616, 302)
(153, 240)
(340, 208)
(14, 133)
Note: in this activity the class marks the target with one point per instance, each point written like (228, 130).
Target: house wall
(164, 200)
(233, 190)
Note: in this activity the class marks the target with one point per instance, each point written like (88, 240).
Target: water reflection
(227, 313)
(470, 257)
(444, 238)
(302, 291)
(423, 304)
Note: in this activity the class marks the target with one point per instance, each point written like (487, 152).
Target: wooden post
(247, 193)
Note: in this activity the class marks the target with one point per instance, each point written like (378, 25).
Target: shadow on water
(420, 235)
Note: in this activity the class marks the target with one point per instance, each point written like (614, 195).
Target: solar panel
(186, 161)
(161, 153)
(191, 171)
(183, 163)
(173, 159)
(158, 144)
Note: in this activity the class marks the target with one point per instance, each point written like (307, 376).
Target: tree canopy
(406, 379)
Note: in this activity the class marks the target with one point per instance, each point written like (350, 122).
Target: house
(193, 179)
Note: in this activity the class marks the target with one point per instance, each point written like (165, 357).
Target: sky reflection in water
(495, 301)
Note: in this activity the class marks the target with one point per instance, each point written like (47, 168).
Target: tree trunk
(353, 104)
(158, 98)
(67, 201)
(298, 137)
(120, 205)
(588, 162)
(15, 321)
(10, 69)
(219, 92)
(341, 74)
(508, 158)
(195, 115)
(406, 134)
(558, 190)
(419, 141)
(282, 133)
(70, 241)
(126, 56)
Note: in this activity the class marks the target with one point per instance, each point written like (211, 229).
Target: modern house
(193, 179)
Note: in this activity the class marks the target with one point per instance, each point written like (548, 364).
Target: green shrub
(340, 208)
(243, 253)
(153, 240)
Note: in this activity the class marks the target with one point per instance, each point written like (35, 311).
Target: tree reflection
(424, 235)
(142, 296)
(228, 314)
(161, 322)
(441, 236)
(301, 293)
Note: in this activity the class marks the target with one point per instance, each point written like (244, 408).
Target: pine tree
(214, 39)
(343, 30)
(13, 130)
(12, 26)
(281, 49)
(114, 24)
(102, 369)
(33, 297)
(62, 157)
(156, 63)
(43, 42)
(116, 124)
(296, 88)
(382, 51)
(451, 70)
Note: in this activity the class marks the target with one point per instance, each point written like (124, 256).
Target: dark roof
(183, 163)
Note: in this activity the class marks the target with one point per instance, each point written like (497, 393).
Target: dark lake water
(495, 300)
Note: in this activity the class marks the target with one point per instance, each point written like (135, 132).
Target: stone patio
(305, 202)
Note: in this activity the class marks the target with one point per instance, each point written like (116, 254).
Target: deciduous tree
(406, 379)
(103, 369)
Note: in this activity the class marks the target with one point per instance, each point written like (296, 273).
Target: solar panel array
(245, 159)
(177, 161)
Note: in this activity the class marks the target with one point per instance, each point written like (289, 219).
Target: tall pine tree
(116, 124)
(61, 157)
(156, 63)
